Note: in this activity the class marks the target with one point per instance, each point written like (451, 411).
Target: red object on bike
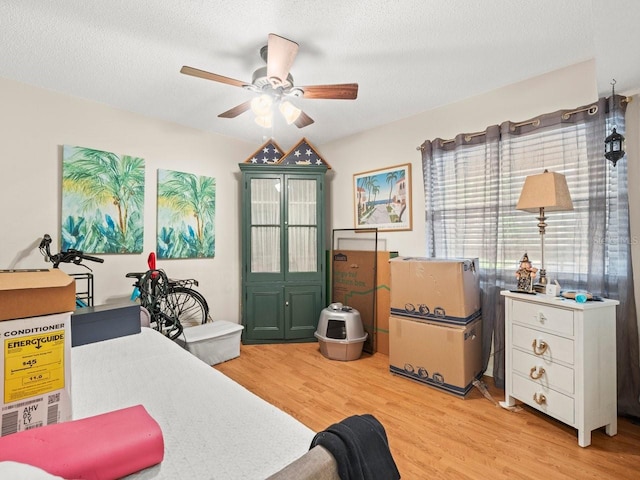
(151, 261)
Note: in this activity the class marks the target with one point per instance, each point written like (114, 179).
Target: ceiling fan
(274, 84)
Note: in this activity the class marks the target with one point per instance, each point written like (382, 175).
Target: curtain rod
(467, 138)
(591, 109)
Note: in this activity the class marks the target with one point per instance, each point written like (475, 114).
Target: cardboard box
(441, 290)
(446, 357)
(383, 304)
(36, 372)
(359, 276)
(30, 293)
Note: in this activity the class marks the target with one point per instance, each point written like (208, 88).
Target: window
(471, 192)
(473, 183)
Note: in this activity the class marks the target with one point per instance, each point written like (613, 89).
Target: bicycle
(172, 304)
(83, 299)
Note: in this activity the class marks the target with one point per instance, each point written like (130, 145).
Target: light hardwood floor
(432, 435)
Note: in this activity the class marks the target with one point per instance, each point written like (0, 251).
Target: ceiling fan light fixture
(261, 105)
(273, 82)
(265, 121)
(289, 111)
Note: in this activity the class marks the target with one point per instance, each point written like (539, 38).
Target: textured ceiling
(407, 56)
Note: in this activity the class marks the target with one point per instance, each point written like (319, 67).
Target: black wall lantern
(614, 143)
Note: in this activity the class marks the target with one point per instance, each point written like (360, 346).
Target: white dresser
(560, 358)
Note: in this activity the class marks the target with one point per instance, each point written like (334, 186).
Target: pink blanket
(107, 446)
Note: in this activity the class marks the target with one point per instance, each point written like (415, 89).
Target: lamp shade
(547, 190)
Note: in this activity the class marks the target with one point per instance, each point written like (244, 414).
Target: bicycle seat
(137, 275)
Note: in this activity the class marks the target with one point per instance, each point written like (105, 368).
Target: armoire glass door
(302, 225)
(266, 227)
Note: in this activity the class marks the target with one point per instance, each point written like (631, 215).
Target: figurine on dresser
(525, 274)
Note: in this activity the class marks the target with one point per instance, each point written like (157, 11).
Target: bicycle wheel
(187, 305)
(169, 326)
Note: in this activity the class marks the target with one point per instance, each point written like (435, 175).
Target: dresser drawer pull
(536, 372)
(539, 398)
(539, 347)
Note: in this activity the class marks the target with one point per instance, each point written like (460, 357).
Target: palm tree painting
(186, 215)
(383, 198)
(102, 201)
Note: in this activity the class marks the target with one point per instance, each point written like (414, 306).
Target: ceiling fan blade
(303, 120)
(341, 91)
(237, 110)
(212, 76)
(280, 55)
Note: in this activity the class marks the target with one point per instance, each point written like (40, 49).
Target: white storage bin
(213, 342)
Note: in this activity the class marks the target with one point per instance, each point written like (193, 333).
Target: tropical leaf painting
(186, 215)
(102, 201)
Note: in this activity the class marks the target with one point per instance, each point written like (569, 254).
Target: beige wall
(35, 123)
(396, 144)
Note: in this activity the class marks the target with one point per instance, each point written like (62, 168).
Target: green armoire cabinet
(283, 262)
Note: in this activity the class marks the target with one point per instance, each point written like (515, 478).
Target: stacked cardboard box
(435, 327)
(35, 362)
(357, 277)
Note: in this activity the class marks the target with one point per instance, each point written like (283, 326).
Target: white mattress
(213, 428)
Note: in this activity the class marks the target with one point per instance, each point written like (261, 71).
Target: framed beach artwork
(186, 215)
(382, 198)
(102, 201)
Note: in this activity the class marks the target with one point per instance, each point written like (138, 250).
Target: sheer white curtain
(472, 185)
(302, 225)
(265, 225)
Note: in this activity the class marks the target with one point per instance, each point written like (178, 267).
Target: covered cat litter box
(340, 332)
(214, 342)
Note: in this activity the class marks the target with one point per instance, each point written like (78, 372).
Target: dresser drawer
(545, 317)
(550, 347)
(554, 403)
(548, 374)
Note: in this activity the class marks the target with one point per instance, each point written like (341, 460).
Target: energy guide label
(33, 365)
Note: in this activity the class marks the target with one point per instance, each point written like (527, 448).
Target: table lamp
(548, 192)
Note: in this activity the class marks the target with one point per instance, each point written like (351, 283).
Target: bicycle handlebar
(69, 256)
(72, 256)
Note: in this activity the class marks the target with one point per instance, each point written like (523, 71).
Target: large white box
(213, 342)
(36, 372)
